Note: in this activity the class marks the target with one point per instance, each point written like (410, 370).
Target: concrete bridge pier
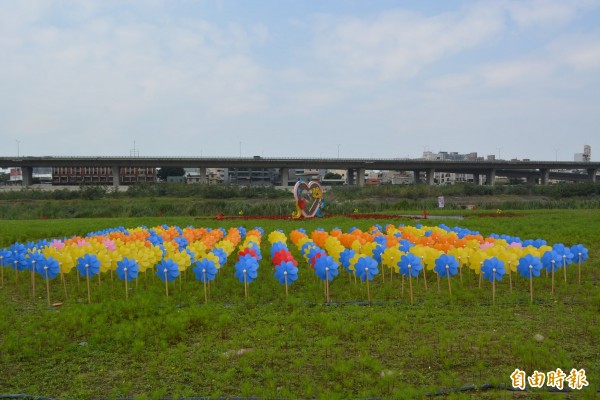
(284, 174)
(27, 174)
(203, 177)
(360, 177)
(545, 175)
(350, 176)
(531, 180)
(416, 177)
(116, 175)
(592, 174)
(476, 179)
(490, 178)
(429, 176)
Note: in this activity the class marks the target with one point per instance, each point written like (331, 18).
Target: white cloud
(531, 13)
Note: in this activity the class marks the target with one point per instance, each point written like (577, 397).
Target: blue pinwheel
(529, 266)
(222, 256)
(50, 268)
(446, 265)
(366, 268)
(88, 265)
(493, 269)
(565, 253)
(410, 265)
(205, 270)
(580, 254)
(36, 260)
(326, 268)
(551, 260)
(246, 268)
(127, 269)
(286, 273)
(345, 257)
(167, 270)
(19, 262)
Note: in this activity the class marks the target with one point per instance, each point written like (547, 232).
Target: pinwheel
(390, 258)
(5, 259)
(49, 269)
(528, 267)
(366, 269)
(286, 273)
(581, 253)
(493, 270)
(205, 270)
(326, 269)
(566, 255)
(167, 270)
(246, 270)
(19, 263)
(410, 265)
(34, 260)
(88, 266)
(446, 266)
(127, 269)
(550, 261)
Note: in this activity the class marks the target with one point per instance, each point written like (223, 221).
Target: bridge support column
(429, 176)
(476, 179)
(545, 175)
(531, 180)
(27, 174)
(592, 174)
(284, 173)
(490, 178)
(360, 177)
(350, 176)
(416, 177)
(116, 175)
(203, 177)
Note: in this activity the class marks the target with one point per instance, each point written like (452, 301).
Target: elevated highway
(541, 171)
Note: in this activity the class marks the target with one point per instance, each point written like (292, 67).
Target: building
(249, 176)
(586, 156)
(101, 175)
(449, 178)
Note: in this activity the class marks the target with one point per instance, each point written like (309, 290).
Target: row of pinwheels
(170, 251)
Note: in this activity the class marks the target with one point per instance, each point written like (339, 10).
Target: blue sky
(518, 79)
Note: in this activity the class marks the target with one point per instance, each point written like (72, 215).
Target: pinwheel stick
(16, 274)
(33, 278)
(438, 281)
(448, 276)
(62, 278)
(460, 271)
(368, 289)
(494, 286)
(286, 283)
(205, 291)
(166, 283)
(565, 267)
(327, 284)
(552, 276)
(509, 277)
(245, 286)
(531, 284)
(410, 283)
(47, 285)
(424, 273)
(87, 276)
(2, 270)
(126, 288)
(578, 272)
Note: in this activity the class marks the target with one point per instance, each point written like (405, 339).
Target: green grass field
(154, 346)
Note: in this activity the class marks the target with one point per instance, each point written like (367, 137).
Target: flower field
(320, 308)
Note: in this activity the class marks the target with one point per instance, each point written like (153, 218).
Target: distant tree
(169, 171)
(332, 175)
